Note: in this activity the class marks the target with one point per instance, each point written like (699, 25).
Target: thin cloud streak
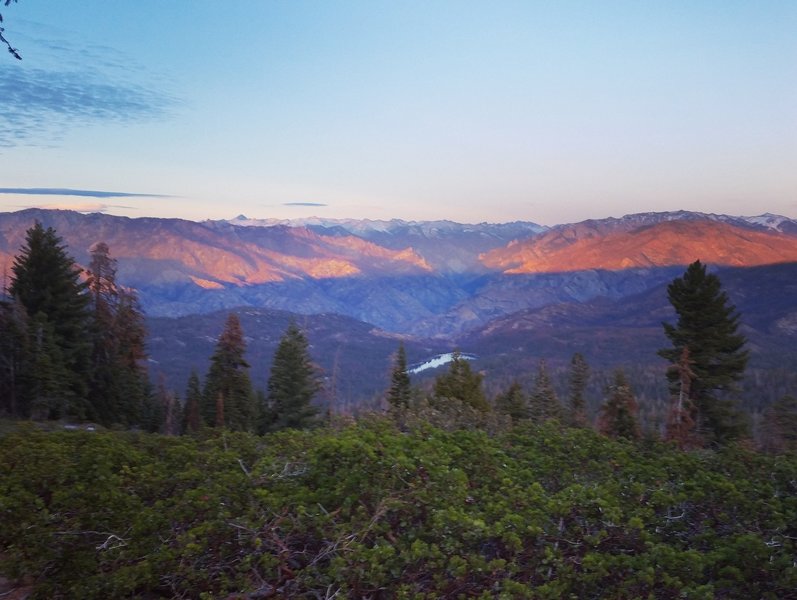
(71, 192)
(82, 207)
(304, 204)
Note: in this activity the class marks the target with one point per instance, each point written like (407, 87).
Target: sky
(550, 112)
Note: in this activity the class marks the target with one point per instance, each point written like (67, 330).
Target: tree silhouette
(708, 326)
(618, 416)
(46, 283)
(228, 399)
(579, 375)
(400, 391)
(292, 384)
(460, 383)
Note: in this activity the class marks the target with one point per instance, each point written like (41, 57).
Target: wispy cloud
(84, 207)
(71, 192)
(304, 204)
(86, 85)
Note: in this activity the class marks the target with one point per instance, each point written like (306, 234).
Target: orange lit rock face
(208, 285)
(664, 244)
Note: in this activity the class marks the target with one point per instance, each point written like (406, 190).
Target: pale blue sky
(472, 111)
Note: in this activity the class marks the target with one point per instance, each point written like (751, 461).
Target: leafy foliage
(370, 511)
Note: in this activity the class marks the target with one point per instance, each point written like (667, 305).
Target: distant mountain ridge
(431, 279)
(633, 245)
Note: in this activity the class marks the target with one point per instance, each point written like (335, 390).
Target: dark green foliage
(780, 426)
(543, 403)
(680, 427)
(118, 376)
(618, 418)
(708, 326)
(400, 392)
(513, 403)
(15, 347)
(192, 419)
(579, 377)
(292, 384)
(46, 283)
(369, 511)
(228, 399)
(461, 384)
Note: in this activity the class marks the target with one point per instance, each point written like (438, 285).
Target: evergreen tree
(14, 358)
(400, 391)
(460, 383)
(780, 426)
(292, 384)
(618, 416)
(707, 325)
(681, 418)
(46, 282)
(118, 379)
(192, 420)
(579, 375)
(228, 399)
(543, 403)
(513, 403)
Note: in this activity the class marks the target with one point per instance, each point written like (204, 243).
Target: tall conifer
(579, 375)
(292, 383)
(46, 282)
(400, 391)
(461, 383)
(118, 378)
(228, 398)
(618, 417)
(543, 403)
(708, 326)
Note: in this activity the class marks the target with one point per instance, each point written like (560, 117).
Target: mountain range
(501, 291)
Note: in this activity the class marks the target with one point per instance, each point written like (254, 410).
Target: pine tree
(292, 384)
(579, 376)
(192, 420)
(14, 358)
(118, 376)
(618, 416)
(46, 282)
(462, 384)
(400, 391)
(708, 326)
(513, 403)
(228, 398)
(543, 403)
(780, 426)
(680, 427)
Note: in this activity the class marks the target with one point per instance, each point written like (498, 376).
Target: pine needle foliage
(400, 392)
(708, 326)
(228, 399)
(618, 418)
(292, 384)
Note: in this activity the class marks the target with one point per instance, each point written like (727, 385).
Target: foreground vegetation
(367, 510)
